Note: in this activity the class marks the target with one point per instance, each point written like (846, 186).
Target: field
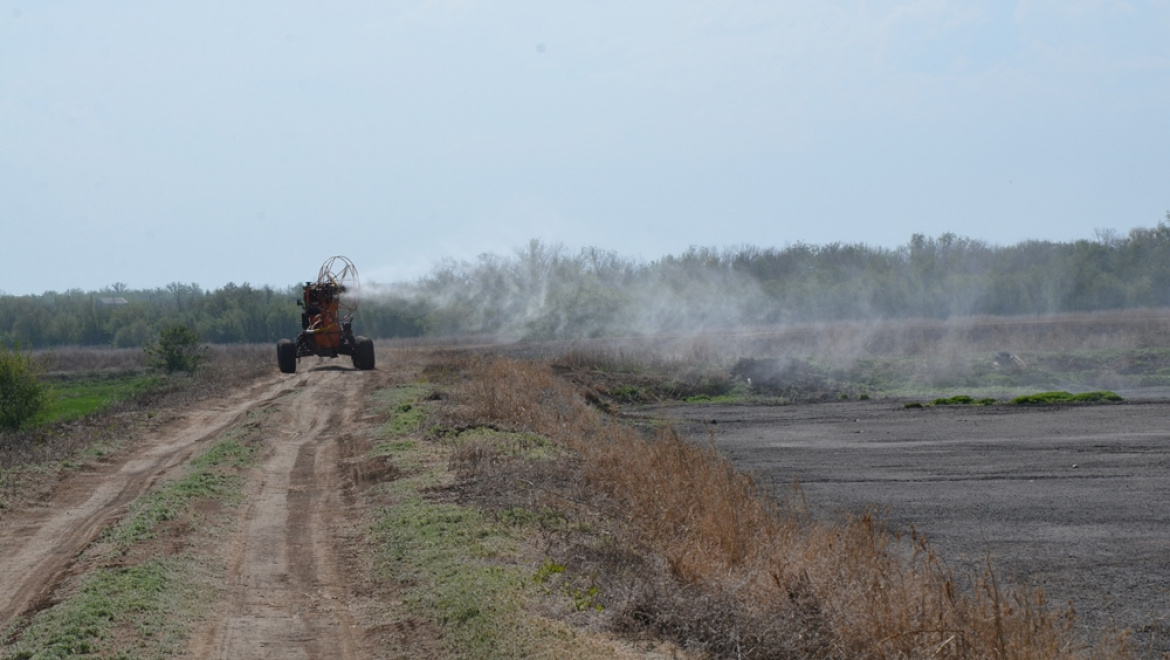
(1061, 499)
(468, 499)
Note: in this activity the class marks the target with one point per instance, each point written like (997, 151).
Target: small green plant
(586, 599)
(22, 394)
(626, 393)
(176, 349)
(547, 570)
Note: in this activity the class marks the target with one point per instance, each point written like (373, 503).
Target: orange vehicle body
(321, 307)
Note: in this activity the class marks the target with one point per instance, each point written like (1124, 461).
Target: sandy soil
(286, 595)
(1071, 499)
(39, 546)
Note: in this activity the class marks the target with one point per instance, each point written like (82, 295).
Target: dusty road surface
(1073, 499)
(285, 595)
(39, 546)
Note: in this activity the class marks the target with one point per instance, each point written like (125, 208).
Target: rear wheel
(363, 353)
(286, 356)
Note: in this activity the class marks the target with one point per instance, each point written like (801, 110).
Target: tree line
(547, 291)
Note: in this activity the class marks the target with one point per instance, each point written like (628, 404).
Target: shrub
(22, 394)
(1066, 397)
(177, 349)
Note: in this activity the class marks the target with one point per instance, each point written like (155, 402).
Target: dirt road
(284, 595)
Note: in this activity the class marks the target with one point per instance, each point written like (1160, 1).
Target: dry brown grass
(76, 359)
(701, 555)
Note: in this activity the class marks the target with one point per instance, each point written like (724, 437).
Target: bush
(1066, 397)
(22, 394)
(177, 349)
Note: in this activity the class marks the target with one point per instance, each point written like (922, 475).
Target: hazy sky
(214, 142)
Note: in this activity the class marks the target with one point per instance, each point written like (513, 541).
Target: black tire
(286, 356)
(363, 353)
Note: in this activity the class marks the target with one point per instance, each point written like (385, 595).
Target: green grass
(739, 393)
(402, 404)
(1067, 397)
(76, 398)
(1041, 398)
(442, 553)
(146, 601)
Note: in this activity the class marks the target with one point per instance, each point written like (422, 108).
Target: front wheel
(286, 356)
(363, 353)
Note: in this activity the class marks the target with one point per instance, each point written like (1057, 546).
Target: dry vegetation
(668, 540)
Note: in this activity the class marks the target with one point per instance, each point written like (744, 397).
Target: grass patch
(1048, 398)
(172, 501)
(75, 398)
(507, 443)
(445, 555)
(402, 406)
(146, 601)
(212, 476)
(740, 392)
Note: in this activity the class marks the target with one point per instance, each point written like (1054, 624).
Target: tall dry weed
(751, 573)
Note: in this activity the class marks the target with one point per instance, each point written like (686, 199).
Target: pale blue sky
(153, 142)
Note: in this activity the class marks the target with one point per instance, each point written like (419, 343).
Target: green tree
(177, 349)
(22, 394)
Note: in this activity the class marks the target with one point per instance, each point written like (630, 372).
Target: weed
(547, 570)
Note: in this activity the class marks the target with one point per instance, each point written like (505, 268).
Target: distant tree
(176, 349)
(22, 394)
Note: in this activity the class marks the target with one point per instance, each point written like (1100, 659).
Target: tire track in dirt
(285, 595)
(39, 547)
